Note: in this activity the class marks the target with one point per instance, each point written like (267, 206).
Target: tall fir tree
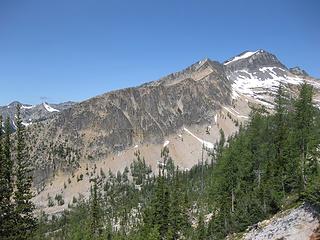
(7, 158)
(156, 216)
(3, 187)
(280, 135)
(178, 219)
(23, 205)
(95, 211)
(304, 127)
(201, 229)
(7, 221)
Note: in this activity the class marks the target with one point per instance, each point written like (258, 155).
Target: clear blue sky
(62, 50)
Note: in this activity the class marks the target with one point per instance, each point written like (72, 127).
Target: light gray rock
(295, 224)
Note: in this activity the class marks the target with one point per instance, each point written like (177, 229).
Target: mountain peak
(14, 103)
(241, 56)
(204, 60)
(298, 71)
(253, 60)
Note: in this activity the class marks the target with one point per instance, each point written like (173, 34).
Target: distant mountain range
(32, 113)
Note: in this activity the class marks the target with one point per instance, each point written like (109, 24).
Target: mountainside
(184, 111)
(131, 117)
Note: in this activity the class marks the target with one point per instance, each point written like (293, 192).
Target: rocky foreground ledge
(301, 223)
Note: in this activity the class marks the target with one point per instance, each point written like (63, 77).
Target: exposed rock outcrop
(301, 223)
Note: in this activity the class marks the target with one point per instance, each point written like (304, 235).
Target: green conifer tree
(95, 211)
(7, 222)
(23, 205)
(304, 127)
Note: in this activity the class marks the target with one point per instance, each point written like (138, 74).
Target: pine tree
(201, 229)
(3, 186)
(139, 169)
(7, 223)
(280, 136)
(307, 123)
(23, 205)
(8, 160)
(304, 117)
(95, 215)
(218, 147)
(156, 216)
(178, 219)
(312, 193)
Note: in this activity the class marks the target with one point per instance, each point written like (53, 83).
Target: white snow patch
(166, 143)
(206, 144)
(248, 84)
(49, 108)
(14, 125)
(3, 127)
(235, 113)
(26, 124)
(234, 94)
(242, 56)
(216, 119)
(136, 146)
(27, 107)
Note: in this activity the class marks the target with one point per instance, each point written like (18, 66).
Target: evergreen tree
(201, 229)
(22, 195)
(218, 147)
(280, 136)
(95, 211)
(304, 127)
(139, 170)
(156, 216)
(7, 220)
(178, 219)
(3, 186)
(313, 191)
